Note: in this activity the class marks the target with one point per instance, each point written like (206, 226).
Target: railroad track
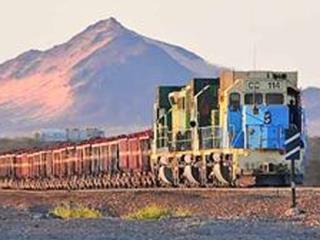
(117, 182)
(202, 189)
(171, 189)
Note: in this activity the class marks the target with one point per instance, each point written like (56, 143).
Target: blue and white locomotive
(238, 129)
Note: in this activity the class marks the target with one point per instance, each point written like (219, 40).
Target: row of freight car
(124, 153)
(103, 181)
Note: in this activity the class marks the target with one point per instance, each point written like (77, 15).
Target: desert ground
(216, 214)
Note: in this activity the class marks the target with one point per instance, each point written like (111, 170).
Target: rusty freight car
(112, 162)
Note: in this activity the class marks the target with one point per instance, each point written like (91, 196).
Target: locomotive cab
(262, 108)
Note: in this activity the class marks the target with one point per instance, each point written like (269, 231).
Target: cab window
(274, 98)
(250, 98)
(234, 100)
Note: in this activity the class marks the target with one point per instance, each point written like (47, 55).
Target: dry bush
(155, 212)
(66, 211)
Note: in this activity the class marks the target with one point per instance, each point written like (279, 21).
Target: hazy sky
(286, 33)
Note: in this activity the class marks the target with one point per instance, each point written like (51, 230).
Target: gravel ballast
(217, 214)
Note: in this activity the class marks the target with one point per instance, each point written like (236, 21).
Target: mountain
(104, 76)
(310, 100)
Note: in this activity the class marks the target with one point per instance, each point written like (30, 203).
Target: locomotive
(228, 131)
(232, 130)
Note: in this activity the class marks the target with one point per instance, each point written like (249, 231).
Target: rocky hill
(104, 76)
(311, 100)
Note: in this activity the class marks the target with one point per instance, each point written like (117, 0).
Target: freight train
(236, 130)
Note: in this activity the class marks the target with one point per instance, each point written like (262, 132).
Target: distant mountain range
(311, 102)
(104, 76)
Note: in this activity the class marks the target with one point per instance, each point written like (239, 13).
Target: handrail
(209, 137)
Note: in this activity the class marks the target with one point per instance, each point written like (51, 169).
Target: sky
(242, 34)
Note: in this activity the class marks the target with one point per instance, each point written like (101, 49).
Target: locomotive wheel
(192, 176)
(166, 176)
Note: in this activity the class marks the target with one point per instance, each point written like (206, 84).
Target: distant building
(69, 134)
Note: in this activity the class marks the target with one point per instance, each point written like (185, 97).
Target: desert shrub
(155, 212)
(66, 211)
(149, 213)
(182, 212)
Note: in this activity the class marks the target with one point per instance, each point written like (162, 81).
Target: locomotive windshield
(234, 100)
(274, 98)
(253, 98)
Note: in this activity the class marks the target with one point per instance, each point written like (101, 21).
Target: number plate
(265, 85)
